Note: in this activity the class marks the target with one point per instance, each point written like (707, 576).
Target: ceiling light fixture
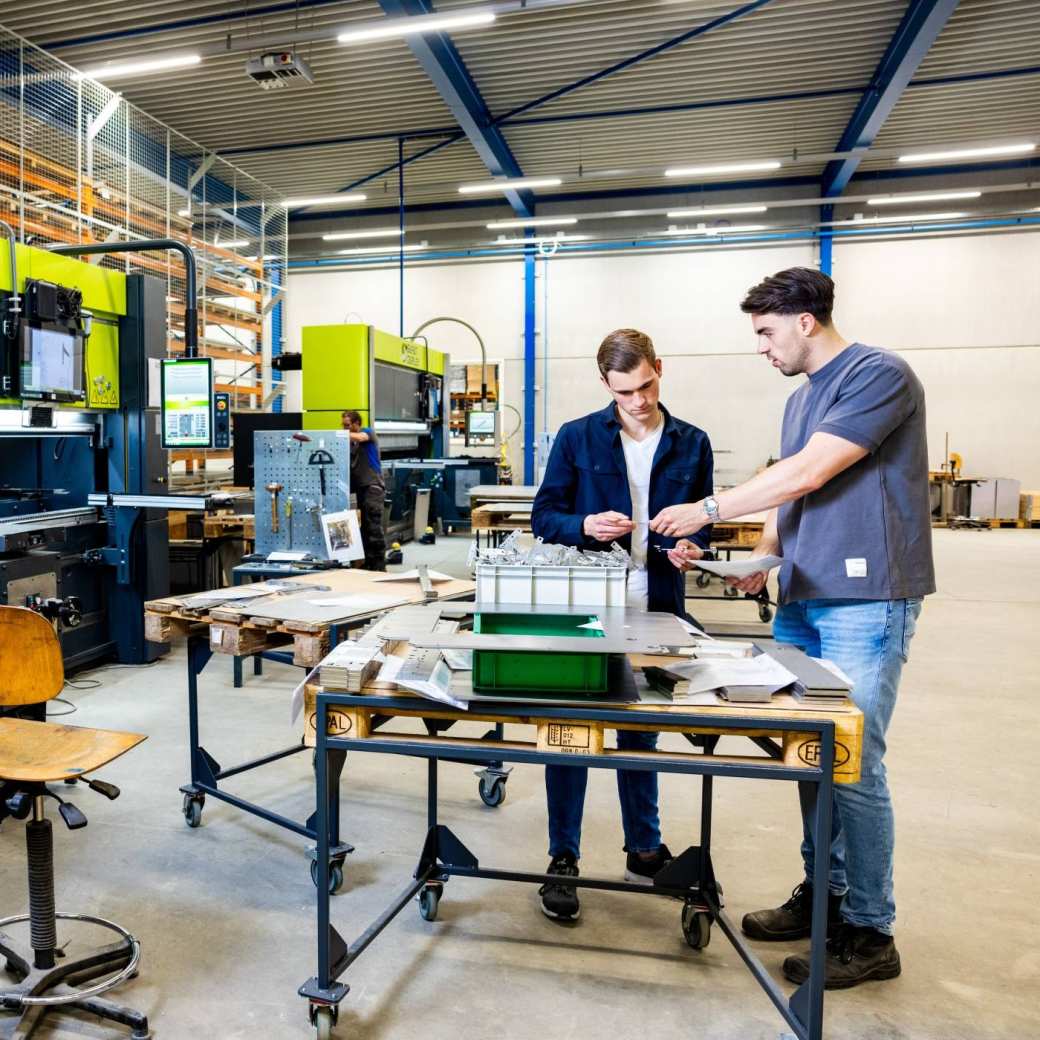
(133, 68)
(560, 236)
(323, 200)
(733, 228)
(716, 211)
(184, 213)
(343, 236)
(419, 24)
(505, 225)
(232, 243)
(489, 187)
(707, 171)
(969, 153)
(390, 250)
(913, 218)
(938, 196)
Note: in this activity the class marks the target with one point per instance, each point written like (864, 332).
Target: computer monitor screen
(187, 403)
(480, 424)
(52, 365)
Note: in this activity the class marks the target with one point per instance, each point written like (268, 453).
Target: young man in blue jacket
(607, 475)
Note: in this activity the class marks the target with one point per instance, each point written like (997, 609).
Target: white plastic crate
(543, 585)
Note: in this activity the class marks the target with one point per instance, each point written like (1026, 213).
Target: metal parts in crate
(300, 477)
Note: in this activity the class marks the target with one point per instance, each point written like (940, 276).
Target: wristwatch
(711, 508)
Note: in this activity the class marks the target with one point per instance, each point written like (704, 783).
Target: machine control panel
(221, 419)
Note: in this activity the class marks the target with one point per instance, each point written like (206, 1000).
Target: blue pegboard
(278, 458)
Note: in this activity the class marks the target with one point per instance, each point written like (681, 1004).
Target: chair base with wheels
(45, 976)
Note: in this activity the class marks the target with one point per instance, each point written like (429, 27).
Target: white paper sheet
(297, 695)
(287, 557)
(740, 568)
(342, 536)
(358, 603)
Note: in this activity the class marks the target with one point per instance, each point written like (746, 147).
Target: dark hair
(798, 290)
(623, 349)
(352, 416)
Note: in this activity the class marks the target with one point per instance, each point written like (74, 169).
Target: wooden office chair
(33, 755)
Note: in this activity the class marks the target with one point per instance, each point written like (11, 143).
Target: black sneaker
(854, 955)
(641, 871)
(560, 902)
(793, 920)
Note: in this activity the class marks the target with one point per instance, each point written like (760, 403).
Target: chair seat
(45, 752)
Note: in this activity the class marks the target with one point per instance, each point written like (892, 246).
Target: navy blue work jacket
(587, 474)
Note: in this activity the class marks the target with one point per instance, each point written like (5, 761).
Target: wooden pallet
(583, 738)
(278, 619)
(223, 525)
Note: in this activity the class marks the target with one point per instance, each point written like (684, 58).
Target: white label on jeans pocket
(856, 568)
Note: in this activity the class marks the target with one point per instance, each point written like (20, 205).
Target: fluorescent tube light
(184, 213)
(970, 153)
(232, 243)
(489, 187)
(539, 239)
(706, 171)
(734, 228)
(938, 196)
(133, 68)
(390, 250)
(504, 225)
(716, 211)
(418, 24)
(343, 236)
(913, 218)
(323, 200)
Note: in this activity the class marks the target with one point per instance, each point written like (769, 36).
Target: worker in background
(607, 474)
(366, 481)
(850, 515)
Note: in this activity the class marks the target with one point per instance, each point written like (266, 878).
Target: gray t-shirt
(866, 534)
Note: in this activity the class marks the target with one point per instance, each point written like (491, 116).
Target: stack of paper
(350, 666)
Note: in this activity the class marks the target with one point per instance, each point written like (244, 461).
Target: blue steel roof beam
(918, 30)
(444, 65)
(627, 63)
(807, 180)
(385, 170)
(647, 110)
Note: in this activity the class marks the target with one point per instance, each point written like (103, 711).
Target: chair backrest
(31, 668)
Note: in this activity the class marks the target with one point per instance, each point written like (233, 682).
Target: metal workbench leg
(203, 767)
(807, 1001)
(258, 664)
(236, 671)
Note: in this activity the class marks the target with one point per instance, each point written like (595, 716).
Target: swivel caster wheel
(192, 809)
(730, 592)
(323, 1018)
(703, 579)
(429, 900)
(765, 613)
(696, 926)
(335, 880)
(492, 792)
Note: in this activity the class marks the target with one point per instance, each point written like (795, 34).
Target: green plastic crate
(533, 672)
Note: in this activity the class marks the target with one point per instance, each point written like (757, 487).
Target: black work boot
(560, 902)
(793, 920)
(854, 955)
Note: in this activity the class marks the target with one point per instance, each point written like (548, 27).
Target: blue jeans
(637, 792)
(870, 641)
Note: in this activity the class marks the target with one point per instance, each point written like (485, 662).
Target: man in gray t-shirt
(849, 512)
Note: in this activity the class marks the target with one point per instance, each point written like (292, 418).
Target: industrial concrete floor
(226, 912)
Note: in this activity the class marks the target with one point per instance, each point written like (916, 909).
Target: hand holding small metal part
(684, 554)
(605, 527)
